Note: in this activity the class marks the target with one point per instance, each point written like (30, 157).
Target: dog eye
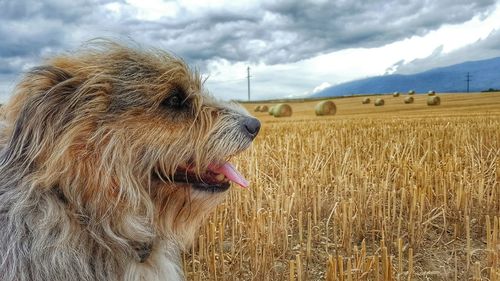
(176, 100)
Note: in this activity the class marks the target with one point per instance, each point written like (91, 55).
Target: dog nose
(251, 127)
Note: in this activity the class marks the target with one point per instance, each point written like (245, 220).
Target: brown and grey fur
(87, 144)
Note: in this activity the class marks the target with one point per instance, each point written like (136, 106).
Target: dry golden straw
(408, 100)
(282, 110)
(433, 100)
(270, 111)
(365, 100)
(325, 108)
(263, 108)
(431, 93)
(411, 92)
(395, 94)
(381, 199)
(379, 102)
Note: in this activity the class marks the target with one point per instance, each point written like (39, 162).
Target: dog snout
(251, 127)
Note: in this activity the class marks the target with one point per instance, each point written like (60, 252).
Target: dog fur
(90, 146)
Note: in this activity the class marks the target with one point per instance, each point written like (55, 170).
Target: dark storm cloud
(335, 25)
(288, 31)
(55, 9)
(32, 29)
(273, 32)
(482, 49)
(27, 27)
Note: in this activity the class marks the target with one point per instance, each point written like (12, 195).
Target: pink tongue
(230, 172)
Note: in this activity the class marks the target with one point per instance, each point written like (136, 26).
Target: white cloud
(321, 87)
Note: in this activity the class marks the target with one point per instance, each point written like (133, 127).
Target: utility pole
(468, 80)
(248, 77)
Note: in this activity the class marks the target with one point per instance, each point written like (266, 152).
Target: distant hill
(485, 74)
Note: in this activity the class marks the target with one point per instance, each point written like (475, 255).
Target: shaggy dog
(110, 159)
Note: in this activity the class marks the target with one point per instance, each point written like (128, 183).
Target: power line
(468, 79)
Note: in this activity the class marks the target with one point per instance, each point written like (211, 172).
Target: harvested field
(399, 192)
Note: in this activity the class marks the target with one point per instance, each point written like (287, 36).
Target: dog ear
(39, 112)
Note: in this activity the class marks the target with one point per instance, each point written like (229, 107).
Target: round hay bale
(431, 93)
(433, 100)
(395, 94)
(366, 101)
(270, 111)
(325, 107)
(409, 100)
(257, 108)
(282, 110)
(379, 102)
(264, 108)
(411, 92)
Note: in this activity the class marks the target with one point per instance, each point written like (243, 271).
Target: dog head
(127, 136)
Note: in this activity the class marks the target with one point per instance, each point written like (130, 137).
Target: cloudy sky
(293, 48)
